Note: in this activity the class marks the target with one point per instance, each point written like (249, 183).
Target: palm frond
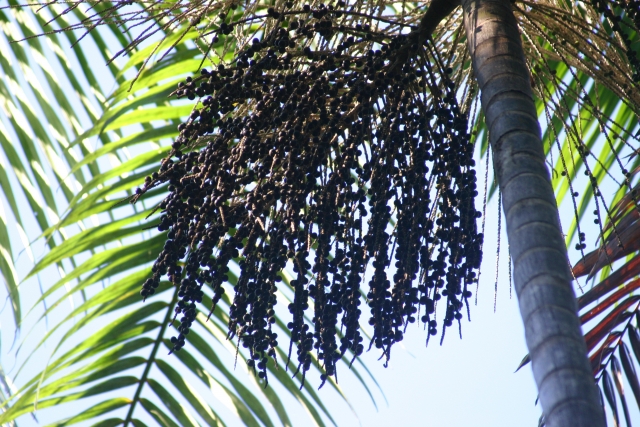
(79, 152)
(583, 68)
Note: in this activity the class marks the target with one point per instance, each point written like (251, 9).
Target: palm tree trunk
(567, 391)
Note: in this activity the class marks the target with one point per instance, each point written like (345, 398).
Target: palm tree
(541, 271)
(503, 50)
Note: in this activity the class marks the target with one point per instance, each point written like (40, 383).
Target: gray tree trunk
(568, 394)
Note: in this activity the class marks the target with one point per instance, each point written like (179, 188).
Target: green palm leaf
(74, 156)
